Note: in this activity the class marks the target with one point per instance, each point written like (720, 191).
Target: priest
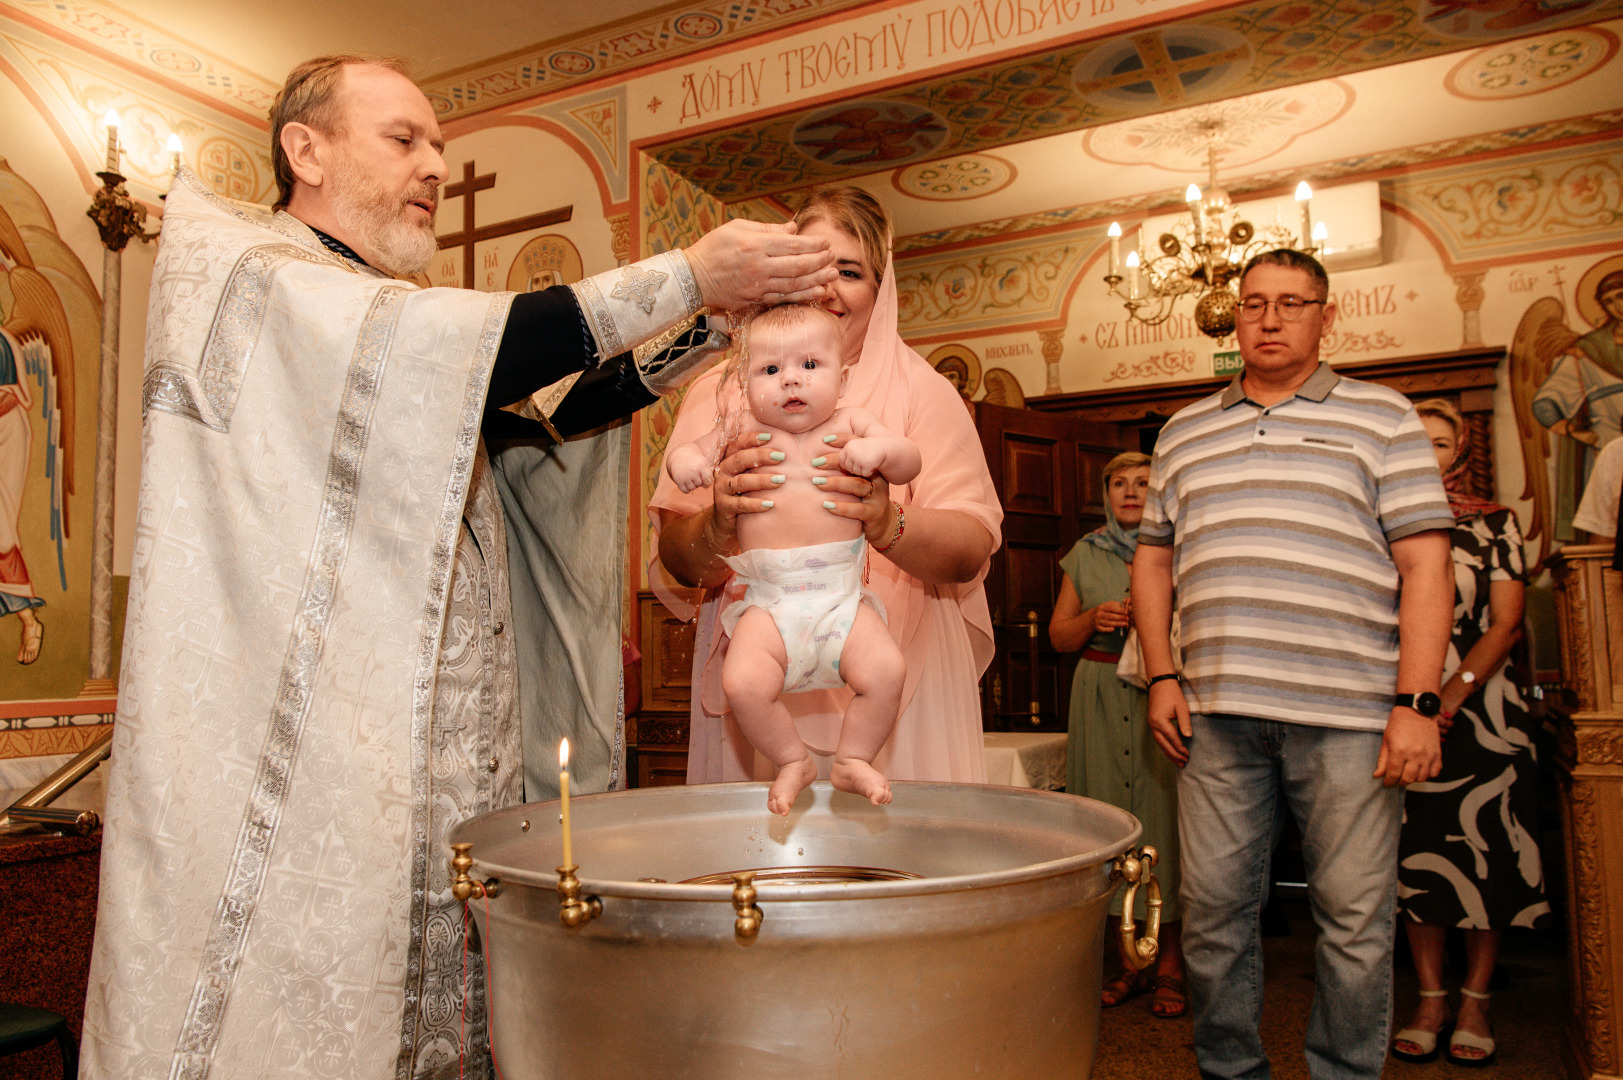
(319, 671)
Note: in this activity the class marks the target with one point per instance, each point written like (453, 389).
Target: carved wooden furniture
(657, 735)
(1589, 597)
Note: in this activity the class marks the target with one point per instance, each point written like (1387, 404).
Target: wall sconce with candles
(118, 217)
(1202, 256)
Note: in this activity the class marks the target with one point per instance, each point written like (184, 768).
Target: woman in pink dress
(930, 540)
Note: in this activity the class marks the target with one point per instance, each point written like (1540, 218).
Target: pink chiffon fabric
(945, 631)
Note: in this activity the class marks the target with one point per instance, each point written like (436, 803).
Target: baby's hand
(862, 457)
(687, 468)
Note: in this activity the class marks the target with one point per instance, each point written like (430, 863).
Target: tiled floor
(1530, 1017)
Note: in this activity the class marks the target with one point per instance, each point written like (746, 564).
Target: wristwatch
(1426, 704)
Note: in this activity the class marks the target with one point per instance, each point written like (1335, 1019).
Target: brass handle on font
(464, 886)
(748, 922)
(1135, 868)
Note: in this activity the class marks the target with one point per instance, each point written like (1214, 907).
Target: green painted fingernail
(777, 479)
(767, 503)
(828, 505)
(779, 455)
(819, 480)
(818, 462)
(830, 438)
(763, 436)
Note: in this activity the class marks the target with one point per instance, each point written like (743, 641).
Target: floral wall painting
(49, 335)
(1567, 385)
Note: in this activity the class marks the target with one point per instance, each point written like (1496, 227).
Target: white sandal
(1426, 1040)
(1484, 1044)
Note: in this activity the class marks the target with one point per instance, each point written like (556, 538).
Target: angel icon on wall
(1568, 386)
(36, 348)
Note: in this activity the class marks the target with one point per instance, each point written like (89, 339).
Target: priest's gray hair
(310, 97)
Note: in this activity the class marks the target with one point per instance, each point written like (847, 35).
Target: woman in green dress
(1112, 755)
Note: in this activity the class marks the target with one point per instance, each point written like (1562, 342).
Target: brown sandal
(1171, 998)
(1122, 986)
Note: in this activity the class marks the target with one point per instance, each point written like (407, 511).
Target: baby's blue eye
(810, 364)
(771, 369)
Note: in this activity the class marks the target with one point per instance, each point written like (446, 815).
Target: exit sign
(1227, 363)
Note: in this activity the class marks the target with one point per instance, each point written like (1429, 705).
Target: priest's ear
(306, 150)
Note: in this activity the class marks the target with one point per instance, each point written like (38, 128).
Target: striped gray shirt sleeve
(1409, 488)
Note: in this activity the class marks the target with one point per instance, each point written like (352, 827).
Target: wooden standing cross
(469, 236)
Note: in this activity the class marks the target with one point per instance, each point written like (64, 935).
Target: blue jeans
(1228, 805)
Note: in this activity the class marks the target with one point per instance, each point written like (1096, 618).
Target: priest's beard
(367, 212)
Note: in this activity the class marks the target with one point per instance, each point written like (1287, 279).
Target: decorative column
(1469, 294)
(1053, 349)
(1589, 602)
(119, 219)
(620, 237)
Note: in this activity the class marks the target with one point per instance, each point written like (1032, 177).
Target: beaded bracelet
(901, 527)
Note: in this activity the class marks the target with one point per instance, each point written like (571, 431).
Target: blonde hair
(856, 213)
(1130, 459)
(310, 97)
(1443, 409)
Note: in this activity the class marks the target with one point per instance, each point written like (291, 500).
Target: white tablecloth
(1034, 759)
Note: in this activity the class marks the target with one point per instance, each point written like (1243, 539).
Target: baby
(806, 622)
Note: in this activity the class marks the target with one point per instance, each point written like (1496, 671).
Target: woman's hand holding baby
(735, 486)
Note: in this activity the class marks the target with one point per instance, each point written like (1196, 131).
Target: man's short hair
(310, 97)
(1291, 259)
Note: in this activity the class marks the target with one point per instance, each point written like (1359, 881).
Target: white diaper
(812, 594)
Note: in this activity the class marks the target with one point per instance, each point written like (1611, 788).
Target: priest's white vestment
(316, 681)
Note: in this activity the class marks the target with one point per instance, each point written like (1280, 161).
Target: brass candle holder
(573, 911)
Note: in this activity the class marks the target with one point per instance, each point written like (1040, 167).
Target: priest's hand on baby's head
(745, 262)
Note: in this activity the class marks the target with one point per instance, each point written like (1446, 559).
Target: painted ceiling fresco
(1221, 54)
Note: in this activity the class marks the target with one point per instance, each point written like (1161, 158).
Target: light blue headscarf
(1113, 538)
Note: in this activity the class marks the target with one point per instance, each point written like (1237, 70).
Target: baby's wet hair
(780, 316)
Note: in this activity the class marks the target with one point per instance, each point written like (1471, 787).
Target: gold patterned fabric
(316, 680)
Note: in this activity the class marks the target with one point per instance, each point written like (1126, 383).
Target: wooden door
(1046, 467)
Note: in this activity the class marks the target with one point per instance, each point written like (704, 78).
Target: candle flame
(1132, 258)
(563, 754)
(1303, 192)
(174, 145)
(1192, 193)
(1115, 228)
(111, 119)
(1321, 231)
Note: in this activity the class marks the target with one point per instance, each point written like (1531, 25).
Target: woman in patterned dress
(1468, 855)
(1112, 755)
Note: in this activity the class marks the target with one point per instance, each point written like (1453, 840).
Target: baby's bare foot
(860, 778)
(789, 783)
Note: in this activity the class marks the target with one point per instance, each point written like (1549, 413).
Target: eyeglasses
(1290, 308)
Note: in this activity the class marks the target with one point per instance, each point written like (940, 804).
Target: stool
(23, 1027)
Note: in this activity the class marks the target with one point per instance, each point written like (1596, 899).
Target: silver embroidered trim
(256, 837)
(236, 326)
(166, 390)
(683, 273)
(666, 372)
(598, 317)
(428, 651)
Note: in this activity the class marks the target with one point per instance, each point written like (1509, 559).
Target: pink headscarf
(893, 382)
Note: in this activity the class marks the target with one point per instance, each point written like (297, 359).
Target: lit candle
(1132, 275)
(1115, 248)
(111, 123)
(1192, 197)
(174, 146)
(563, 795)
(1304, 196)
(1321, 233)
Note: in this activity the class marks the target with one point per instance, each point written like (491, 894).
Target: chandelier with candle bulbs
(1202, 256)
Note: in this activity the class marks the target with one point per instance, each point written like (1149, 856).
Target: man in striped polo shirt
(1302, 521)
